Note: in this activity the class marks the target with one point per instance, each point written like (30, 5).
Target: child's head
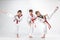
(37, 13)
(19, 12)
(30, 11)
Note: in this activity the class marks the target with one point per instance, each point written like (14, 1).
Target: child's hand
(13, 20)
(49, 27)
(29, 22)
(46, 15)
(19, 20)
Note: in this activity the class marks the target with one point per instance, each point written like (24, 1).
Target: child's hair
(36, 12)
(41, 16)
(19, 11)
(30, 10)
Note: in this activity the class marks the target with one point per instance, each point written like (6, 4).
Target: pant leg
(45, 29)
(17, 26)
(31, 29)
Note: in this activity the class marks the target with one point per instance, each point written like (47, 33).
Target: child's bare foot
(17, 36)
(49, 27)
(30, 37)
(43, 36)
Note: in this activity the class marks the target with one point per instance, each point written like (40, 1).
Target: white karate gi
(42, 26)
(31, 25)
(19, 21)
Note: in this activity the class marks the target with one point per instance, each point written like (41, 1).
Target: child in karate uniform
(17, 19)
(43, 22)
(31, 19)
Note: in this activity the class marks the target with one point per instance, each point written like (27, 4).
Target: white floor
(25, 37)
(35, 38)
(8, 29)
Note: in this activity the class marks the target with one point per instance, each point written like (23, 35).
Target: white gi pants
(32, 27)
(42, 27)
(17, 28)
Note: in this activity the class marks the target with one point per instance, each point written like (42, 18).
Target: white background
(7, 26)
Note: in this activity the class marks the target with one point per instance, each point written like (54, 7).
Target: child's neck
(31, 15)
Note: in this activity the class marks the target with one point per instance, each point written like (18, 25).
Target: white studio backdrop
(7, 26)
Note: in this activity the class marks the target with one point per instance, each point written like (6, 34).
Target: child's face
(30, 12)
(38, 14)
(19, 13)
